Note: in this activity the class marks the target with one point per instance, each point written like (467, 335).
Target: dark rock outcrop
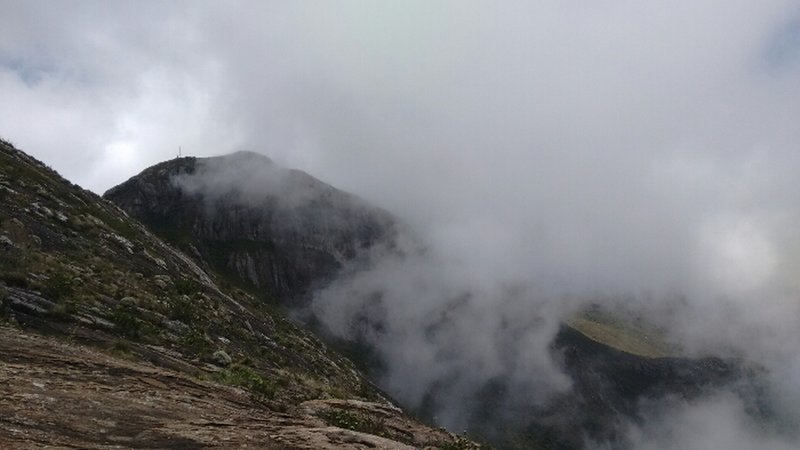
(277, 230)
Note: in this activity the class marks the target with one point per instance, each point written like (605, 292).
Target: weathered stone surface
(58, 394)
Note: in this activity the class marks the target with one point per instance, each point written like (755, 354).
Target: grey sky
(581, 149)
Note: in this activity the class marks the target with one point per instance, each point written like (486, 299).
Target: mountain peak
(279, 230)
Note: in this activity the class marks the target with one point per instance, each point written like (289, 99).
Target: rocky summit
(112, 338)
(277, 230)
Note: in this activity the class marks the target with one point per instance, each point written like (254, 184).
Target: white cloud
(557, 149)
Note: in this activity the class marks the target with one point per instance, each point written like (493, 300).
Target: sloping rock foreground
(59, 394)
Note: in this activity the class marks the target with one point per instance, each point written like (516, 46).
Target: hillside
(112, 337)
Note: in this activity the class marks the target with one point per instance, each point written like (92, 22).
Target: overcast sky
(367, 94)
(583, 147)
(678, 117)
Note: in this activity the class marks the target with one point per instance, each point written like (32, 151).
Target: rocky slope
(277, 230)
(144, 347)
(56, 393)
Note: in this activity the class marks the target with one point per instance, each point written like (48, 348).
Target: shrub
(121, 346)
(195, 342)
(245, 377)
(356, 422)
(57, 287)
(63, 311)
(186, 286)
(184, 308)
(221, 358)
(4, 307)
(127, 323)
(15, 279)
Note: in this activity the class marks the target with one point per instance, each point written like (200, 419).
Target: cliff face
(144, 347)
(277, 230)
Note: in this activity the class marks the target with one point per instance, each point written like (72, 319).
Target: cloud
(547, 154)
(716, 422)
(100, 91)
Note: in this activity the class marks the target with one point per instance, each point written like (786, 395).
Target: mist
(546, 157)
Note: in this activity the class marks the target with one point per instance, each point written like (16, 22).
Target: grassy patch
(245, 377)
(63, 310)
(185, 309)
(127, 323)
(195, 342)
(15, 279)
(356, 422)
(622, 335)
(4, 309)
(121, 346)
(58, 286)
(186, 286)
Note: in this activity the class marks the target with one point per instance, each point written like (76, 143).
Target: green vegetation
(64, 310)
(58, 287)
(14, 278)
(185, 309)
(195, 342)
(356, 422)
(627, 335)
(185, 286)
(245, 377)
(127, 322)
(3, 302)
(121, 346)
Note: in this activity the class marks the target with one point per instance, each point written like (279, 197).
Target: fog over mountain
(547, 156)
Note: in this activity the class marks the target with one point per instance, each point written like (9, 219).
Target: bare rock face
(59, 394)
(277, 230)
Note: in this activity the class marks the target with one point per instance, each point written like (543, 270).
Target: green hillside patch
(630, 336)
